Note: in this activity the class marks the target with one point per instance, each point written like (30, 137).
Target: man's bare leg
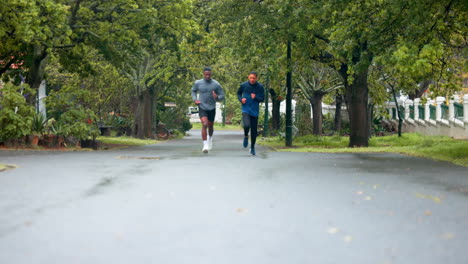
(205, 125)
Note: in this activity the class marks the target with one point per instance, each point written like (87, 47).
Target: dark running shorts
(208, 113)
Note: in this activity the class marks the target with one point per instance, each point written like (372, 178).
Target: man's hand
(215, 96)
(244, 100)
(252, 95)
(197, 102)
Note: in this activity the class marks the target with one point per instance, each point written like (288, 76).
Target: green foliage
(16, 115)
(26, 24)
(303, 119)
(78, 122)
(38, 124)
(175, 119)
(119, 124)
(236, 119)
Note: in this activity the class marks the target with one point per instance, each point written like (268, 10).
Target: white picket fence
(435, 117)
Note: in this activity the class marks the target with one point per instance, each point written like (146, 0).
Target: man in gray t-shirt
(205, 93)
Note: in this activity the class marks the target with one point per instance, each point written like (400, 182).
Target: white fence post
(465, 108)
(427, 111)
(451, 110)
(416, 108)
(407, 108)
(439, 101)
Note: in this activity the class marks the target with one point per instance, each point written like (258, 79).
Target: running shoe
(246, 142)
(252, 151)
(210, 144)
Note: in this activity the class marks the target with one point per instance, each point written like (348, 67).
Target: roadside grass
(127, 141)
(412, 144)
(218, 126)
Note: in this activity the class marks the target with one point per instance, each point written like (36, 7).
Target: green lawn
(129, 141)
(218, 126)
(431, 147)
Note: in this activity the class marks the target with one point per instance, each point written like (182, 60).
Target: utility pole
(289, 98)
(265, 120)
(224, 111)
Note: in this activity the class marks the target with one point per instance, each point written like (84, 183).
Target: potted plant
(37, 128)
(60, 131)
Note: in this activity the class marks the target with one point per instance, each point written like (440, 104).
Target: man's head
(253, 76)
(207, 73)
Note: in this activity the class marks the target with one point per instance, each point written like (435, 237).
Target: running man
(205, 93)
(250, 94)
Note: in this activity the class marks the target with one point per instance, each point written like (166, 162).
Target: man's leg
(205, 124)
(246, 124)
(253, 133)
(204, 121)
(253, 129)
(211, 117)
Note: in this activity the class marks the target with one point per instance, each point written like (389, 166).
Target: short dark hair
(254, 73)
(207, 69)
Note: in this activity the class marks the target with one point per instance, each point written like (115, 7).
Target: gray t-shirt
(204, 90)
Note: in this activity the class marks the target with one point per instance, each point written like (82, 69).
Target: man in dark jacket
(250, 94)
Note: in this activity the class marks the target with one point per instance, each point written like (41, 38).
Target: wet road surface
(170, 203)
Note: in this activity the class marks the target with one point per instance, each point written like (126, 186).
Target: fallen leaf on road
(368, 198)
(241, 210)
(348, 239)
(430, 197)
(448, 236)
(333, 230)
(428, 213)
(359, 192)
(5, 167)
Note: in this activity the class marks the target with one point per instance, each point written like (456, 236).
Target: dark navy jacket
(251, 105)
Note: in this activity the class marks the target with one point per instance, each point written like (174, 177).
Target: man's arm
(260, 95)
(194, 92)
(220, 93)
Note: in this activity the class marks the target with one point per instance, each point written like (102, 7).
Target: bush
(175, 119)
(78, 122)
(16, 115)
(122, 125)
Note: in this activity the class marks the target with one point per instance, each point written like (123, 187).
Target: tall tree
(316, 81)
(350, 35)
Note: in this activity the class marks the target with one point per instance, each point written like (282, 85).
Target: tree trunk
(339, 102)
(144, 115)
(316, 103)
(417, 93)
(275, 111)
(289, 123)
(400, 120)
(36, 70)
(357, 95)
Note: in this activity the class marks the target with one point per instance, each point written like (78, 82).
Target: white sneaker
(210, 144)
(205, 147)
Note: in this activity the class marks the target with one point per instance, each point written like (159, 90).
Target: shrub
(16, 114)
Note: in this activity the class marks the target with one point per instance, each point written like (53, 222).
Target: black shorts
(208, 113)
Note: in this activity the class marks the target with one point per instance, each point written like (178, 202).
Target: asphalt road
(170, 203)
